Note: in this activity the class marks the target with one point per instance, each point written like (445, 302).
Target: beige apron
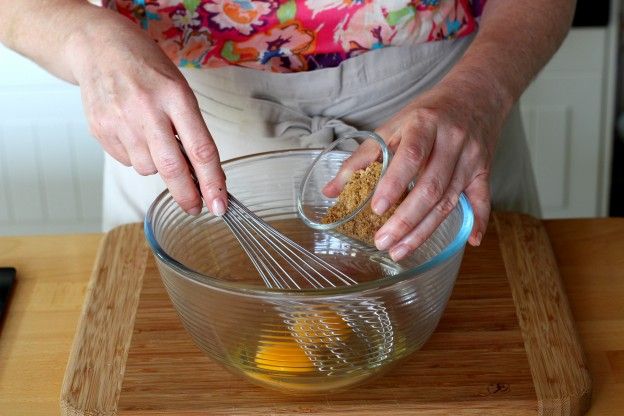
(249, 111)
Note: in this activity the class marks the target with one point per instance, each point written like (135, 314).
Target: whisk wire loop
(255, 253)
(272, 272)
(270, 251)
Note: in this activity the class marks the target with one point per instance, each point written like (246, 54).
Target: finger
(203, 155)
(364, 155)
(429, 189)
(411, 155)
(478, 193)
(172, 165)
(113, 147)
(432, 221)
(104, 131)
(136, 147)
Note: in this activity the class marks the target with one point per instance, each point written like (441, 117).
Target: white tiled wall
(50, 167)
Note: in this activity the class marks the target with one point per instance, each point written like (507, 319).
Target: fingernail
(384, 242)
(194, 210)
(381, 206)
(399, 252)
(344, 176)
(329, 189)
(479, 238)
(454, 199)
(218, 207)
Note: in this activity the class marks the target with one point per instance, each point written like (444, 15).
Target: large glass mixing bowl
(306, 341)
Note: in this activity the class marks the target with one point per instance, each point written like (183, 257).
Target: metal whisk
(284, 264)
(276, 257)
(281, 262)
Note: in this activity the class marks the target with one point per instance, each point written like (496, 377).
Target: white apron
(249, 111)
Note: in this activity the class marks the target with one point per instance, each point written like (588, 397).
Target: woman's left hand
(444, 141)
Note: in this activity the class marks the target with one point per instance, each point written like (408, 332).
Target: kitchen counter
(53, 272)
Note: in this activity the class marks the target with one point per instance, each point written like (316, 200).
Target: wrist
(482, 89)
(94, 26)
(484, 104)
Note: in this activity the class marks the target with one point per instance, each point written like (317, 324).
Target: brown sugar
(365, 224)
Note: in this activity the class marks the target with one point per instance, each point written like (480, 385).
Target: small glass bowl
(312, 205)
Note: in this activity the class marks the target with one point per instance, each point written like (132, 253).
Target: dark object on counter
(616, 203)
(7, 281)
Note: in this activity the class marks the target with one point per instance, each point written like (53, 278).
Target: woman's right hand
(137, 101)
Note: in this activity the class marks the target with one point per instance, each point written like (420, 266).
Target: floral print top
(293, 35)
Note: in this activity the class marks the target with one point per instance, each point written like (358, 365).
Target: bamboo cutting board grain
(505, 346)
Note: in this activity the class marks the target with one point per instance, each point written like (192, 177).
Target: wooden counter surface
(53, 272)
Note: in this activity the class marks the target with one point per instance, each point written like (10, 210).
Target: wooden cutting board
(506, 344)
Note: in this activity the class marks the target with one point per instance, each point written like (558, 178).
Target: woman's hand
(137, 101)
(443, 141)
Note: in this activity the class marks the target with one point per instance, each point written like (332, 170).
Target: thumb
(478, 193)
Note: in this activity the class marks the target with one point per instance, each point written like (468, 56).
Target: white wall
(50, 168)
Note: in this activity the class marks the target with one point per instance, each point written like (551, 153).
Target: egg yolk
(283, 356)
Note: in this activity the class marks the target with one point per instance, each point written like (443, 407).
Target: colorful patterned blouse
(293, 35)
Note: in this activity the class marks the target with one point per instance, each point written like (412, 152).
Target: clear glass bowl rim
(258, 291)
